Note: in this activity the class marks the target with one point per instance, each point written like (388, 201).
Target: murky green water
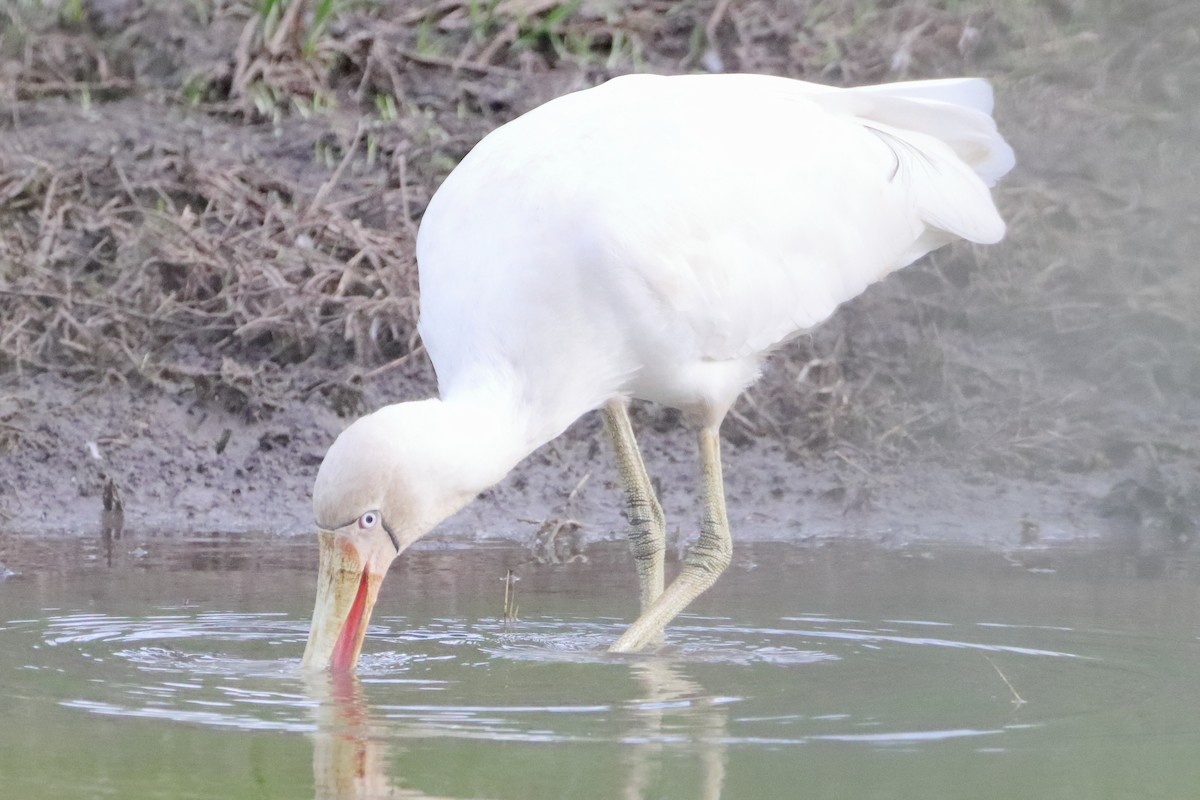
(160, 667)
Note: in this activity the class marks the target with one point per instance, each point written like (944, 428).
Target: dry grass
(168, 259)
(121, 267)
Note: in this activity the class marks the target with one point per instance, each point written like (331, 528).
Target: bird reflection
(673, 707)
(350, 751)
(668, 714)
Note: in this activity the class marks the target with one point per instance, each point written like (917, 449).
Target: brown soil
(206, 227)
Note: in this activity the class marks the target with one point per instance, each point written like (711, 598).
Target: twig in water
(510, 598)
(1018, 701)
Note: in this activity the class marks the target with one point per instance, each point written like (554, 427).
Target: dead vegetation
(154, 252)
(198, 195)
(122, 269)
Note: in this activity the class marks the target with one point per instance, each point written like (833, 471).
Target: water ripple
(240, 670)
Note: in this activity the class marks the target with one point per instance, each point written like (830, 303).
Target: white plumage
(654, 237)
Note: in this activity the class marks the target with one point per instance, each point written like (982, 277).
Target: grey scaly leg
(706, 559)
(647, 534)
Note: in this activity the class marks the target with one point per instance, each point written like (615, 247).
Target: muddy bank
(206, 270)
(185, 463)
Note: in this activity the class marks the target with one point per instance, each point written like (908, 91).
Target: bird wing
(753, 206)
(657, 221)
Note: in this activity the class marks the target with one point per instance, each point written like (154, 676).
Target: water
(167, 667)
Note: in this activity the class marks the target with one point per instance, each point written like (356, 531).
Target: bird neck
(483, 440)
(444, 452)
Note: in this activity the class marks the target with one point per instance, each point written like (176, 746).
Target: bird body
(654, 238)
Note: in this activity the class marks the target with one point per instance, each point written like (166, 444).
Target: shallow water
(167, 667)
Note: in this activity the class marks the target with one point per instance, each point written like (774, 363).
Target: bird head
(387, 481)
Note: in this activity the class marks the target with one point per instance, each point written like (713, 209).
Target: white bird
(654, 238)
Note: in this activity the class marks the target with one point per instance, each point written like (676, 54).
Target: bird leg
(705, 561)
(647, 532)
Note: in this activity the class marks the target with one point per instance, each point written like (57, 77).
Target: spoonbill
(654, 238)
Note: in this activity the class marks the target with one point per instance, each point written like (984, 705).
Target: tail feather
(947, 149)
(956, 111)
(973, 93)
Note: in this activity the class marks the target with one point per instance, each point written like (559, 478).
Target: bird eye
(368, 520)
